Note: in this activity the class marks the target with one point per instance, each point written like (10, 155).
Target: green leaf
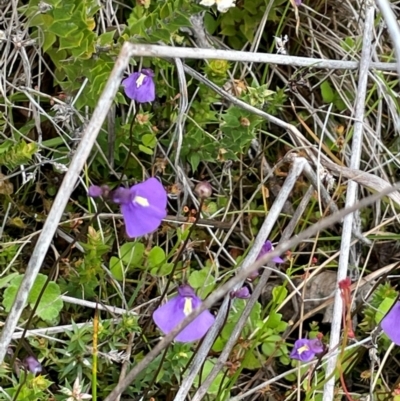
(194, 160)
(162, 271)
(146, 150)
(161, 34)
(328, 95)
(252, 362)
(63, 29)
(132, 253)
(216, 384)
(269, 346)
(117, 268)
(229, 30)
(165, 10)
(156, 256)
(49, 40)
(5, 280)
(279, 293)
(15, 154)
(106, 38)
(50, 303)
(210, 23)
(383, 309)
(71, 43)
(41, 20)
(274, 319)
(203, 280)
(149, 140)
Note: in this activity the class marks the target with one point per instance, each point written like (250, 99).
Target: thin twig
(144, 50)
(351, 198)
(66, 188)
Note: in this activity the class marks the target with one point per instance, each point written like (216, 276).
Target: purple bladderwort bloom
(266, 248)
(304, 349)
(32, 365)
(139, 86)
(169, 315)
(390, 324)
(242, 293)
(143, 206)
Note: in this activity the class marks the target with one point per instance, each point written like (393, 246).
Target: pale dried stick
(262, 236)
(67, 186)
(143, 50)
(351, 198)
(51, 330)
(393, 27)
(96, 305)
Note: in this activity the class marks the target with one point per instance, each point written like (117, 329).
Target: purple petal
(121, 196)
(148, 71)
(302, 350)
(168, 316)
(95, 191)
(316, 345)
(197, 329)
(186, 290)
(140, 86)
(266, 248)
(390, 324)
(146, 209)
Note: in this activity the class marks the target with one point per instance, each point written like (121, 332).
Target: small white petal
(224, 5)
(207, 3)
(141, 201)
(139, 81)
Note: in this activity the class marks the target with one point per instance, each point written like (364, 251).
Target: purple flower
(169, 315)
(142, 206)
(242, 293)
(32, 365)
(140, 86)
(390, 324)
(266, 248)
(304, 350)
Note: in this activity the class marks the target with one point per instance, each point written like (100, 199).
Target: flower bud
(32, 365)
(244, 122)
(95, 191)
(203, 190)
(242, 293)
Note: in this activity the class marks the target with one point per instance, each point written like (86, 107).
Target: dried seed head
(203, 190)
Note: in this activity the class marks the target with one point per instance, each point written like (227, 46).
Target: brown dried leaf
(6, 187)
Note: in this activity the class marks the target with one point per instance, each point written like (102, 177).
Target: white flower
(222, 5)
(76, 393)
